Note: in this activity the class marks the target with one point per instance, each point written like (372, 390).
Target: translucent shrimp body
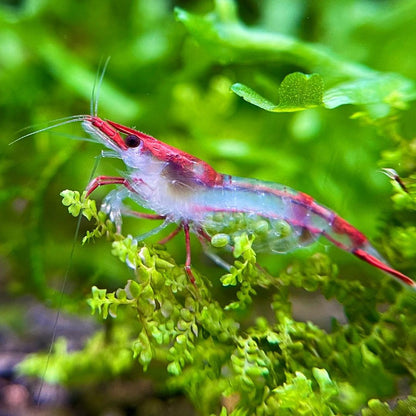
(183, 189)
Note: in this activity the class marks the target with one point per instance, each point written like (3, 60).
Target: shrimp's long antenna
(58, 122)
(61, 297)
(96, 88)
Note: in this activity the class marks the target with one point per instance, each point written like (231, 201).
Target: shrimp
(185, 190)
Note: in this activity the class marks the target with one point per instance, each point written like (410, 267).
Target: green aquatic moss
(275, 364)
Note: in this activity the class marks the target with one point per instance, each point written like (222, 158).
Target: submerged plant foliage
(272, 365)
(231, 343)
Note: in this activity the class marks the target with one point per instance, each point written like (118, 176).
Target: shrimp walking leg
(215, 257)
(145, 215)
(114, 207)
(106, 180)
(154, 231)
(171, 235)
(113, 202)
(188, 253)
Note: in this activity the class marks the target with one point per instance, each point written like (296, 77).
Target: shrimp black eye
(132, 140)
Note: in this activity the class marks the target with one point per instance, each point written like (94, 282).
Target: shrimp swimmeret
(185, 190)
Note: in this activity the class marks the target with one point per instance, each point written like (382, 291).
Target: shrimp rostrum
(180, 188)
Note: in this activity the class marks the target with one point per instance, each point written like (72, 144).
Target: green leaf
(89, 209)
(69, 197)
(229, 41)
(174, 368)
(326, 385)
(229, 279)
(405, 407)
(242, 246)
(132, 289)
(377, 408)
(390, 89)
(297, 92)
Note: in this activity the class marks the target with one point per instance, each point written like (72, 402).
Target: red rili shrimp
(185, 190)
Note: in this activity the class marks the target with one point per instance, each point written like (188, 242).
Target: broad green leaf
(389, 89)
(229, 41)
(297, 92)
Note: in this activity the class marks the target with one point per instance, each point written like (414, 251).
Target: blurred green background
(162, 81)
